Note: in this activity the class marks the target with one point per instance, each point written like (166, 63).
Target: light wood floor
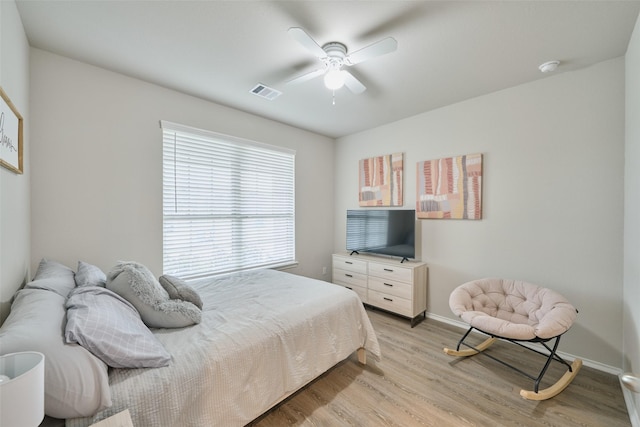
(416, 384)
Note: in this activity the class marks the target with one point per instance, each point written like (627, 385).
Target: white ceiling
(448, 51)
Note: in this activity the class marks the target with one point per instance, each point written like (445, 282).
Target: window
(228, 203)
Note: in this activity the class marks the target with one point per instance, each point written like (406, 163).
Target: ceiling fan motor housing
(336, 52)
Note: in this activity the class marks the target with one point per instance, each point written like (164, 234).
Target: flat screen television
(385, 232)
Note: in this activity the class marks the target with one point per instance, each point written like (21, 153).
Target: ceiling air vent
(265, 92)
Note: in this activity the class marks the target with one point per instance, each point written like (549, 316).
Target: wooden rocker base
(556, 388)
(552, 355)
(470, 351)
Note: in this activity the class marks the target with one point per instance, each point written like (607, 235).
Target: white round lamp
(334, 79)
(21, 389)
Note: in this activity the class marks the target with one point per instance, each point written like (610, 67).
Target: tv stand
(398, 287)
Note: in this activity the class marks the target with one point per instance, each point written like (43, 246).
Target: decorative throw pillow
(179, 289)
(53, 276)
(76, 383)
(110, 327)
(135, 283)
(90, 275)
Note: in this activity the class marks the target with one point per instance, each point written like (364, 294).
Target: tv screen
(385, 232)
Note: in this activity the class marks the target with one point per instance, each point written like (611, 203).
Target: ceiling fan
(334, 57)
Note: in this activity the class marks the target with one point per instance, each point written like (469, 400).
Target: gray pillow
(110, 327)
(53, 276)
(135, 283)
(76, 383)
(90, 275)
(178, 289)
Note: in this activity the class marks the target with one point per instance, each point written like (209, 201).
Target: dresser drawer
(390, 302)
(392, 287)
(392, 272)
(350, 264)
(344, 277)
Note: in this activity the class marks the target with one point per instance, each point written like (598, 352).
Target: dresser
(385, 283)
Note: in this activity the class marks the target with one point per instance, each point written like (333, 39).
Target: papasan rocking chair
(517, 312)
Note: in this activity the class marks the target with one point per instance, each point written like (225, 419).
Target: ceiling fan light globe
(334, 79)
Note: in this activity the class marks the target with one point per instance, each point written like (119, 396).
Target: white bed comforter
(264, 334)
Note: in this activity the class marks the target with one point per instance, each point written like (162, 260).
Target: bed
(264, 334)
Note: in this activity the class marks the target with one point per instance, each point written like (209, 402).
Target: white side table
(21, 389)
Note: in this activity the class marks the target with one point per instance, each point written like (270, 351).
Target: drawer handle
(348, 275)
(389, 270)
(348, 262)
(388, 284)
(387, 299)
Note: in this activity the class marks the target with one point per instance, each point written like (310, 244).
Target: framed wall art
(10, 135)
(381, 180)
(450, 188)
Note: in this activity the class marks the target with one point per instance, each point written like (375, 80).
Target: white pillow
(179, 289)
(90, 275)
(75, 381)
(135, 283)
(110, 327)
(53, 276)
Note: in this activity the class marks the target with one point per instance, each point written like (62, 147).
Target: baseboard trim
(586, 362)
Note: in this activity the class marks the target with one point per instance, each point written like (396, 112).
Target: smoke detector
(549, 66)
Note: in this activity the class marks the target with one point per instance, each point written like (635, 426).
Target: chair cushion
(512, 309)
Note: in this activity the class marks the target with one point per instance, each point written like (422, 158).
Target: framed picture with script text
(10, 135)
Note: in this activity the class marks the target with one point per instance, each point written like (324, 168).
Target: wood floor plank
(417, 384)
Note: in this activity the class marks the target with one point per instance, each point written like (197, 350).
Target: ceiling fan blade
(352, 83)
(307, 76)
(381, 47)
(305, 40)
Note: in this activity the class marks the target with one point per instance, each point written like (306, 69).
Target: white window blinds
(228, 203)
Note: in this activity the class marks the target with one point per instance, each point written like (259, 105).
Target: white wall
(552, 194)
(14, 188)
(631, 294)
(97, 166)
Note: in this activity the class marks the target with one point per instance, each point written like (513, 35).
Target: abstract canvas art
(381, 180)
(450, 188)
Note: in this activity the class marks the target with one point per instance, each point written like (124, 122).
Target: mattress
(264, 334)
